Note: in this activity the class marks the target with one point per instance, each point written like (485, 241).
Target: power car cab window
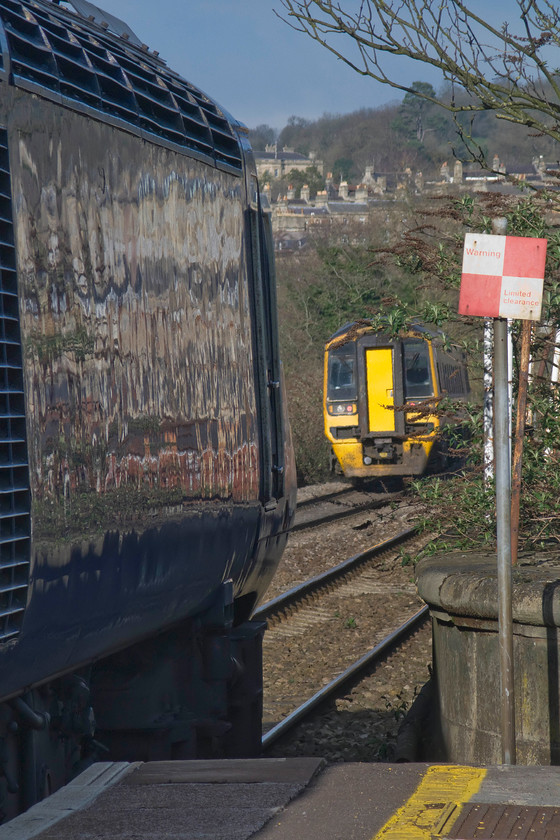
(417, 376)
(341, 384)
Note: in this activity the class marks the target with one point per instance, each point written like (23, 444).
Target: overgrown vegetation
(461, 510)
(405, 269)
(332, 281)
(494, 71)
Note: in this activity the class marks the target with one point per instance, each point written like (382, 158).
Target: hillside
(410, 134)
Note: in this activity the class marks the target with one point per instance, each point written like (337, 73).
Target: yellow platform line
(435, 805)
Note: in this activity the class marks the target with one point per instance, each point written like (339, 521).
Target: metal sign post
(523, 384)
(503, 536)
(488, 407)
(503, 278)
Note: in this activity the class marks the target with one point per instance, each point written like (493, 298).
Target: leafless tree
(503, 68)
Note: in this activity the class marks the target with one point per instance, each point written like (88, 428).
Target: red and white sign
(502, 276)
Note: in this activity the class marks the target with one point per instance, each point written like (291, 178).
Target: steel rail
(342, 513)
(327, 497)
(349, 674)
(292, 596)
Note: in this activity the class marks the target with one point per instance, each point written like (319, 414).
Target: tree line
(415, 133)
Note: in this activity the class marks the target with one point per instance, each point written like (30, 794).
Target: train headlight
(368, 460)
(342, 409)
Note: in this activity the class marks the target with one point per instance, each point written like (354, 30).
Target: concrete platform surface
(297, 799)
(166, 800)
(423, 802)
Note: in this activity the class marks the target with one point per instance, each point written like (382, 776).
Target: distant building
(293, 217)
(547, 171)
(277, 162)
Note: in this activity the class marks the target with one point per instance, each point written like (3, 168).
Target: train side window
(341, 383)
(416, 369)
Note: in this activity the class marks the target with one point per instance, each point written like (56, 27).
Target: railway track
(339, 504)
(325, 632)
(323, 495)
(284, 605)
(339, 684)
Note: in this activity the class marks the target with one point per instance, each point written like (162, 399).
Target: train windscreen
(417, 374)
(341, 383)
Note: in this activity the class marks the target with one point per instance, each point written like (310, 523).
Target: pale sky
(253, 64)
(242, 55)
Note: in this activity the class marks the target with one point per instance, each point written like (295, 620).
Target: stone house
(277, 162)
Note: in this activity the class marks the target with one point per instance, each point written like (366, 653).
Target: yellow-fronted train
(381, 396)
(147, 481)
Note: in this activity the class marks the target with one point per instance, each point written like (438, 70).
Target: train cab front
(379, 405)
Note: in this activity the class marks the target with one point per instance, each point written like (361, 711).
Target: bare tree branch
(502, 69)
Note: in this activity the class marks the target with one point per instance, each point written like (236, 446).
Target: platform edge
(76, 795)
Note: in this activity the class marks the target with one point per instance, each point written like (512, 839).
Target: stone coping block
(465, 584)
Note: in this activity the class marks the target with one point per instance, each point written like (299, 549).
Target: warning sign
(502, 276)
